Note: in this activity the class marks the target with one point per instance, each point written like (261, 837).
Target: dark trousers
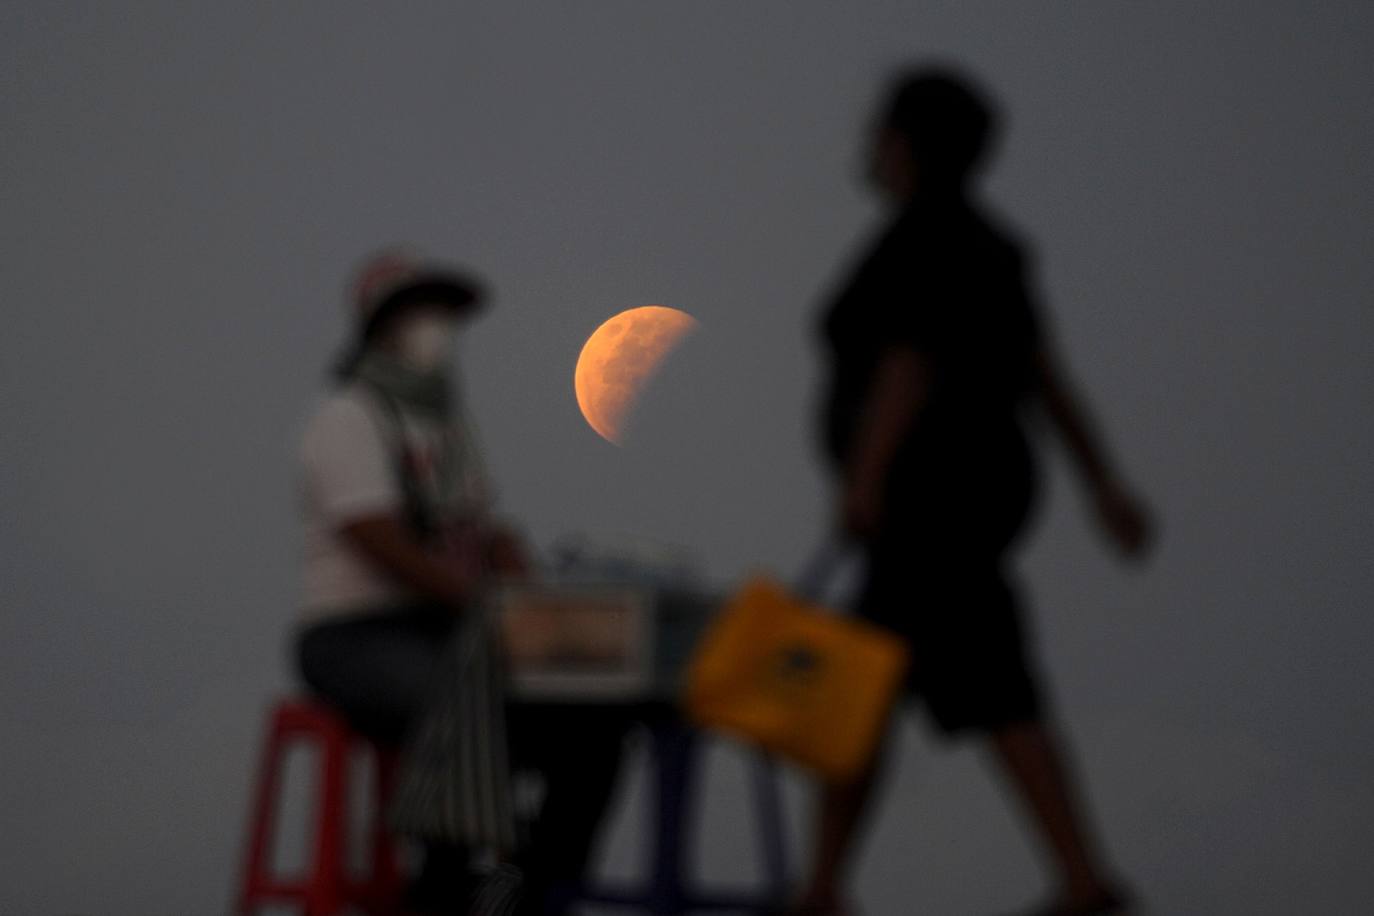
(576, 750)
(377, 670)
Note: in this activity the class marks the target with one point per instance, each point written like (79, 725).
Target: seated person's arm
(351, 479)
(388, 543)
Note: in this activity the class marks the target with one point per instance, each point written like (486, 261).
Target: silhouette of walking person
(935, 353)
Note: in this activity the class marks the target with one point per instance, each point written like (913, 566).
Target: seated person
(398, 539)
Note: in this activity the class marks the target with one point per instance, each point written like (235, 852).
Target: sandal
(1111, 903)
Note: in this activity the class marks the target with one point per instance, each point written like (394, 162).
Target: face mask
(426, 341)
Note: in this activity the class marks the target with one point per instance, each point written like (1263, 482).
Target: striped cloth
(500, 892)
(454, 780)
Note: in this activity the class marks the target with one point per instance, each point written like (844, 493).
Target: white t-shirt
(348, 471)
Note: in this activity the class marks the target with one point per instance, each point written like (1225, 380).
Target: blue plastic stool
(668, 891)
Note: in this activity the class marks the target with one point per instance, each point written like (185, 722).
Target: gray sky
(185, 189)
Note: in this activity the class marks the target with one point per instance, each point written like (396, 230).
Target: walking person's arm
(900, 386)
(1121, 515)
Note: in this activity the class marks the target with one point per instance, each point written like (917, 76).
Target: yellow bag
(795, 679)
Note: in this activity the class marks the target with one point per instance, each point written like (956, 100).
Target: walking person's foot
(1098, 901)
(814, 904)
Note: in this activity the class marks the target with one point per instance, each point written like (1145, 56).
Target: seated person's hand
(507, 553)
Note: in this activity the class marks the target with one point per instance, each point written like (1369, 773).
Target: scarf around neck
(428, 393)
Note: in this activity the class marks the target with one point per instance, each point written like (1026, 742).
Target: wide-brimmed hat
(392, 282)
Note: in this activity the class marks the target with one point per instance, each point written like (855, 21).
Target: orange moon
(618, 359)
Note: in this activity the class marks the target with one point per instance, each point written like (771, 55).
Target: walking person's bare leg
(840, 814)
(1035, 765)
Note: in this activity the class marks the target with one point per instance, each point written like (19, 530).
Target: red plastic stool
(327, 888)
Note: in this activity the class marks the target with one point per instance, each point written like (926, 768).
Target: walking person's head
(933, 133)
(410, 309)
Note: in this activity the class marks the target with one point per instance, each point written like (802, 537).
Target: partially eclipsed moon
(618, 359)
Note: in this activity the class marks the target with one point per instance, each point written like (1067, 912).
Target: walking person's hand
(1123, 518)
(861, 508)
